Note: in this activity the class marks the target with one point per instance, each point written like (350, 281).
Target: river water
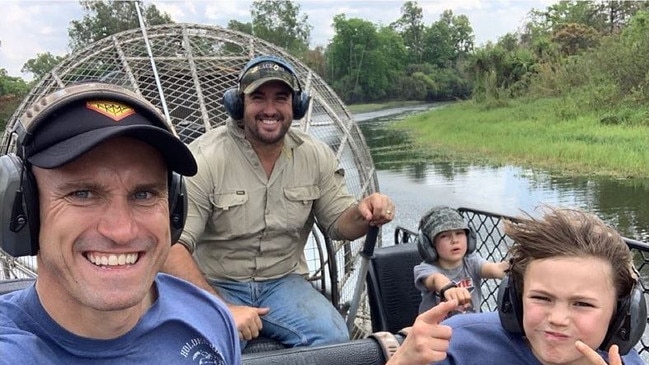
(416, 183)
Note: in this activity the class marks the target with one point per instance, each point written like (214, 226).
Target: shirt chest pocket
(230, 217)
(299, 201)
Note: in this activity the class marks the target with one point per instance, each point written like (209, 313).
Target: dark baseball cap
(263, 72)
(76, 127)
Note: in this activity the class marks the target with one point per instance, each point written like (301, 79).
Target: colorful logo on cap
(112, 109)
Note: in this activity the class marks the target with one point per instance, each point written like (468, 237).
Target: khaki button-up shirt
(242, 225)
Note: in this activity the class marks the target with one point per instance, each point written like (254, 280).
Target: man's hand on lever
(377, 209)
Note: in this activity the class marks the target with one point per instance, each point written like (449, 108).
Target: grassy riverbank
(532, 133)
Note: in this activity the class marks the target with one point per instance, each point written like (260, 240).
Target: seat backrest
(392, 295)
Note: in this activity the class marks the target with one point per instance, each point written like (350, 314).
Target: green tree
(411, 28)
(105, 18)
(280, 22)
(10, 85)
(606, 17)
(348, 53)
(12, 90)
(41, 64)
(316, 60)
(240, 27)
(448, 39)
(365, 62)
(543, 23)
(618, 13)
(573, 38)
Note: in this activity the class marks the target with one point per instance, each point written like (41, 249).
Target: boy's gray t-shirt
(466, 275)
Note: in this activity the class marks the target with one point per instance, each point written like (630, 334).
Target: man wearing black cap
(260, 186)
(101, 200)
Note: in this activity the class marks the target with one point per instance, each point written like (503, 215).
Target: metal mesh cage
(194, 65)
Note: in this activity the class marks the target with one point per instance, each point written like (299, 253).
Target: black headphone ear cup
(426, 248)
(510, 306)
(301, 101)
(31, 201)
(177, 206)
(15, 230)
(471, 241)
(628, 323)
(233, 103)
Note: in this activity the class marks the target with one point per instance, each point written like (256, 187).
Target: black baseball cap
(76, 127)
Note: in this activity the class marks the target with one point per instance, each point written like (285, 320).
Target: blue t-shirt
(466, 276)
(480, 339)
(185, 325)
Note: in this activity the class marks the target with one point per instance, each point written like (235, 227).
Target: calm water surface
(416, 183)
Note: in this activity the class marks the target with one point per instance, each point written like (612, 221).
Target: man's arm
(180, 263)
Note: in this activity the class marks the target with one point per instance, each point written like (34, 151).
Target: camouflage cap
(440, 219)
(264, 72)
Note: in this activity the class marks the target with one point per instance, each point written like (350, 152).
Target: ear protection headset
(625, 329)
(426, 247)
(233, 98)
(19, 204)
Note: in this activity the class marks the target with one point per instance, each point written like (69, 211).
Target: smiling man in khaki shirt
(260, 186)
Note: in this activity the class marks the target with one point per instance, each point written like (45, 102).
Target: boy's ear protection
(510, 306)
(19, 204)
(625, 329)
(233, 98)
(427, 248)
(628, 323)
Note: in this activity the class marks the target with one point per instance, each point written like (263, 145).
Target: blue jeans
(299, 314)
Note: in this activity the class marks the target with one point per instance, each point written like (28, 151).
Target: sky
(30, 27)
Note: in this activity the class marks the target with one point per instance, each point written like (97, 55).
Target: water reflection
(416, 181)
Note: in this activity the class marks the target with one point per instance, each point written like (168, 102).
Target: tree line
(592, 54)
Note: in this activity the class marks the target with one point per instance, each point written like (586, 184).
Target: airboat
(184, 70)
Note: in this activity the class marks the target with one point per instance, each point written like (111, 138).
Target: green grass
(535, 133)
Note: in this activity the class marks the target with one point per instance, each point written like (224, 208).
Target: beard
(258, 134)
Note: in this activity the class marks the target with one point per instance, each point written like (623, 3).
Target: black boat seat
(392, 295)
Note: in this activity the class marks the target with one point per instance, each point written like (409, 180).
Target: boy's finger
(595, 358)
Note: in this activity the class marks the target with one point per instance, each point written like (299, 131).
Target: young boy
(570, 297)
(451, 269)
